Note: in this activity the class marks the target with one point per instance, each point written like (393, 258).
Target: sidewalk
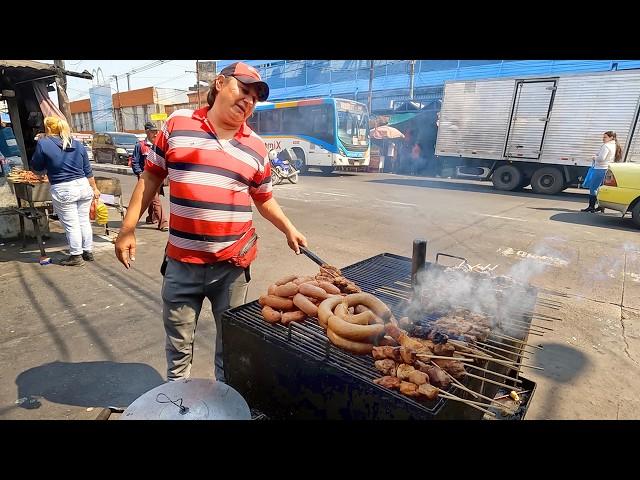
(106, 167)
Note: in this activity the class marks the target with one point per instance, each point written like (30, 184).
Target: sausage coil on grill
(359, 348)
(358, 333)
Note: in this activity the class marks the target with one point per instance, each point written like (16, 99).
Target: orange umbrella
(384, 132)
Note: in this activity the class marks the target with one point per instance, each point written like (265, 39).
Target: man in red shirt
(216, 166)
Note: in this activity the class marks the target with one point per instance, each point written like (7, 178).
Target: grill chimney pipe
(418, 260)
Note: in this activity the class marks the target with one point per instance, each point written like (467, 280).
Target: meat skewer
(507, 377)
(488, 380)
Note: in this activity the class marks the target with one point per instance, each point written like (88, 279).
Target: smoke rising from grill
(502, 298)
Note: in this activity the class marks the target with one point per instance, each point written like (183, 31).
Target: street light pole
(412, 66)
(119, 105)
(198, 82)
(370, 84)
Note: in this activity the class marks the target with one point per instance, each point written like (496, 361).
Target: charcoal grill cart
(294, 372)
(27, 195)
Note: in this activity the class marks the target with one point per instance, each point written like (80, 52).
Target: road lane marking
(499, 216)
(336, 194)
(400, 203)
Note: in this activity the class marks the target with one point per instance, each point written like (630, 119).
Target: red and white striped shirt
(211, 183)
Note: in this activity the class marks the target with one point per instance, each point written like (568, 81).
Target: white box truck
(542, 131)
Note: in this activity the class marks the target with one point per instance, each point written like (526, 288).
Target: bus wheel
(547, 180)
(327, 170)
(506, 177)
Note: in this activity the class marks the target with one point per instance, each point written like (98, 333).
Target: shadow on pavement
(473, 187)
(86, 384)
(606, 220)
(562, 365)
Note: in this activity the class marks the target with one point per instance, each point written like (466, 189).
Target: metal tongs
(312, 255)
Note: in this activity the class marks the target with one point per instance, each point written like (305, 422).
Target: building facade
(131, 109)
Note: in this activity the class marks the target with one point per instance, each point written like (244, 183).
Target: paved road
(591, 261)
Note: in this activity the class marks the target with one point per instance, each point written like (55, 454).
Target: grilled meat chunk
(388, 382)
(386, 367)
(437, 376)
(408, 356)
(380, 353)
(418, 377)
(409, 389)
(444, 349)
(452, 367)
(425, 390)
(403, 371)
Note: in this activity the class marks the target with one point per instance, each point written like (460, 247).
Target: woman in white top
(610, 151)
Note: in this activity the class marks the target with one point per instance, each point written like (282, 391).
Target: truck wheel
(506, 177)
(635, 214)
(327, 170)
(547, 180)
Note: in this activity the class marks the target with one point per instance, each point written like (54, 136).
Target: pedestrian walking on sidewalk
(155, 213)
(610, 151)
(73, 187)
(216, 166)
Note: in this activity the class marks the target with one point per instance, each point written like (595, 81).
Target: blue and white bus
(324, 133)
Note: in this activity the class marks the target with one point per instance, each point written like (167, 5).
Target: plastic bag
(102, 214)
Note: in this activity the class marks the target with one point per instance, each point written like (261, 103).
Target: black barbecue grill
(295, 372)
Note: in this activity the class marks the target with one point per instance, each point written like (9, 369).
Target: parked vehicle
(541, 131)
(621, 190)
(113, 147)
(282, 166)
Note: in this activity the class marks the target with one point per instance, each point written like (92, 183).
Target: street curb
(121, 170)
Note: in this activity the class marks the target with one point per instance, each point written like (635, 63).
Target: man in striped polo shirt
(216, 166)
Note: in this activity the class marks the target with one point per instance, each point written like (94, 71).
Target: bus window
(271, 121)
(321, 122)
(254, 121)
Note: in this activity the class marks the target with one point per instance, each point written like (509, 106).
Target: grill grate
(307, 344)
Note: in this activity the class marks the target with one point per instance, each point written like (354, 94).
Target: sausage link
(271, 315)
(312, 291)
(305, 304)
(295, 316)
(287, 279)
(286, 290)
(276, 302)
(329, 287)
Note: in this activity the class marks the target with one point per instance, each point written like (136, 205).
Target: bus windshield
(353, 125)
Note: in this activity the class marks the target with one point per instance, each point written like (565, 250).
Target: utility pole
(370, 85)
(119, 105)
(128, 84)
(198, 82)
(412, 67)
(61, 84)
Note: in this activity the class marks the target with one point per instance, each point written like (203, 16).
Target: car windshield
(124, 139)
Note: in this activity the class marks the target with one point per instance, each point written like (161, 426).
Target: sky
(179, 74)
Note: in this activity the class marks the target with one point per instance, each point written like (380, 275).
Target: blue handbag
(588, 178)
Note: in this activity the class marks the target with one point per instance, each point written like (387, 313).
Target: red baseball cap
(247, 75)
